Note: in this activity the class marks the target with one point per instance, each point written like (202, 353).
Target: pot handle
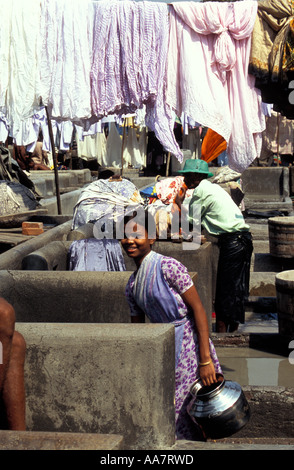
(197, 385)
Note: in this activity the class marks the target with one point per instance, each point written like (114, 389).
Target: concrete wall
(67, 202)
(116, 379)
(44, 181)
(49, 296)
(265, 183)
(72, 297)
(54, 257)
(61, 231)
(267, 188)
(70, 184)
(12, 259)
(51, 257)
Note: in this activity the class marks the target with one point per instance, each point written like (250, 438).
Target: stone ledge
(284, 441)
(248, 444)
(35, 440)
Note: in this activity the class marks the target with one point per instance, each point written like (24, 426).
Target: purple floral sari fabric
(155, 290)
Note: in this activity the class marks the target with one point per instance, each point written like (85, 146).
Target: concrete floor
(253, 366)
(260, 366)
(250, 367)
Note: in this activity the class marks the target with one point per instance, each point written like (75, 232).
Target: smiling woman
(162, 289)
(137, 240)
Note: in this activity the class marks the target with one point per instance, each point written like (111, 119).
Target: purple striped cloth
(129, 65)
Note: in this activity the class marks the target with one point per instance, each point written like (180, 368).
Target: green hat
(195, 165)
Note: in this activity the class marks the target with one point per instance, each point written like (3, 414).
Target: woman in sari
(162, 289)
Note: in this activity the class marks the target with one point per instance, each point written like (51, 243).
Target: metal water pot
(220, 409)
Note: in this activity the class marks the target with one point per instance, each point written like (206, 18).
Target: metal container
(285, 303)
(281, 236)
(220, 409)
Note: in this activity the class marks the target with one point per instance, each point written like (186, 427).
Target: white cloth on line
(65, 57)
(215, 88)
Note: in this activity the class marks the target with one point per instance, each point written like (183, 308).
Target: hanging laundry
(271, 58)
(41, 124)
(92, 147)
(65, 57)
(212, 146)
(28, 130)
(19, 63)
(93, 129)
(267, 108)
(27, 133)
(4, 128)
(278, 138)
(66, 135)
(132, 152)
(113, 148)
(62, 134)
(208, 73)
(192, 141)
(34, 123)
(130, 48)
(143, 146)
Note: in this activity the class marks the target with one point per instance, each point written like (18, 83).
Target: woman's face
(136, 242)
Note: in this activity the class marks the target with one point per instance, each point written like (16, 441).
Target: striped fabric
(130, 47)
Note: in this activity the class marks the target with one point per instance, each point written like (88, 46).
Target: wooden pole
(278, 139)
(122, 147)
(167, 164)
(54, 162)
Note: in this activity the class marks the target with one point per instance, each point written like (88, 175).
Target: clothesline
(182, 57)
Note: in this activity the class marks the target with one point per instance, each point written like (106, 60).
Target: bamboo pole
(278, 139)
(167, 164)
(122, 148)
(54, 162)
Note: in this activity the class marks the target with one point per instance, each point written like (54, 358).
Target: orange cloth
(212, 146)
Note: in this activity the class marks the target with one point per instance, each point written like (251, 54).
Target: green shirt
(219, 213)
